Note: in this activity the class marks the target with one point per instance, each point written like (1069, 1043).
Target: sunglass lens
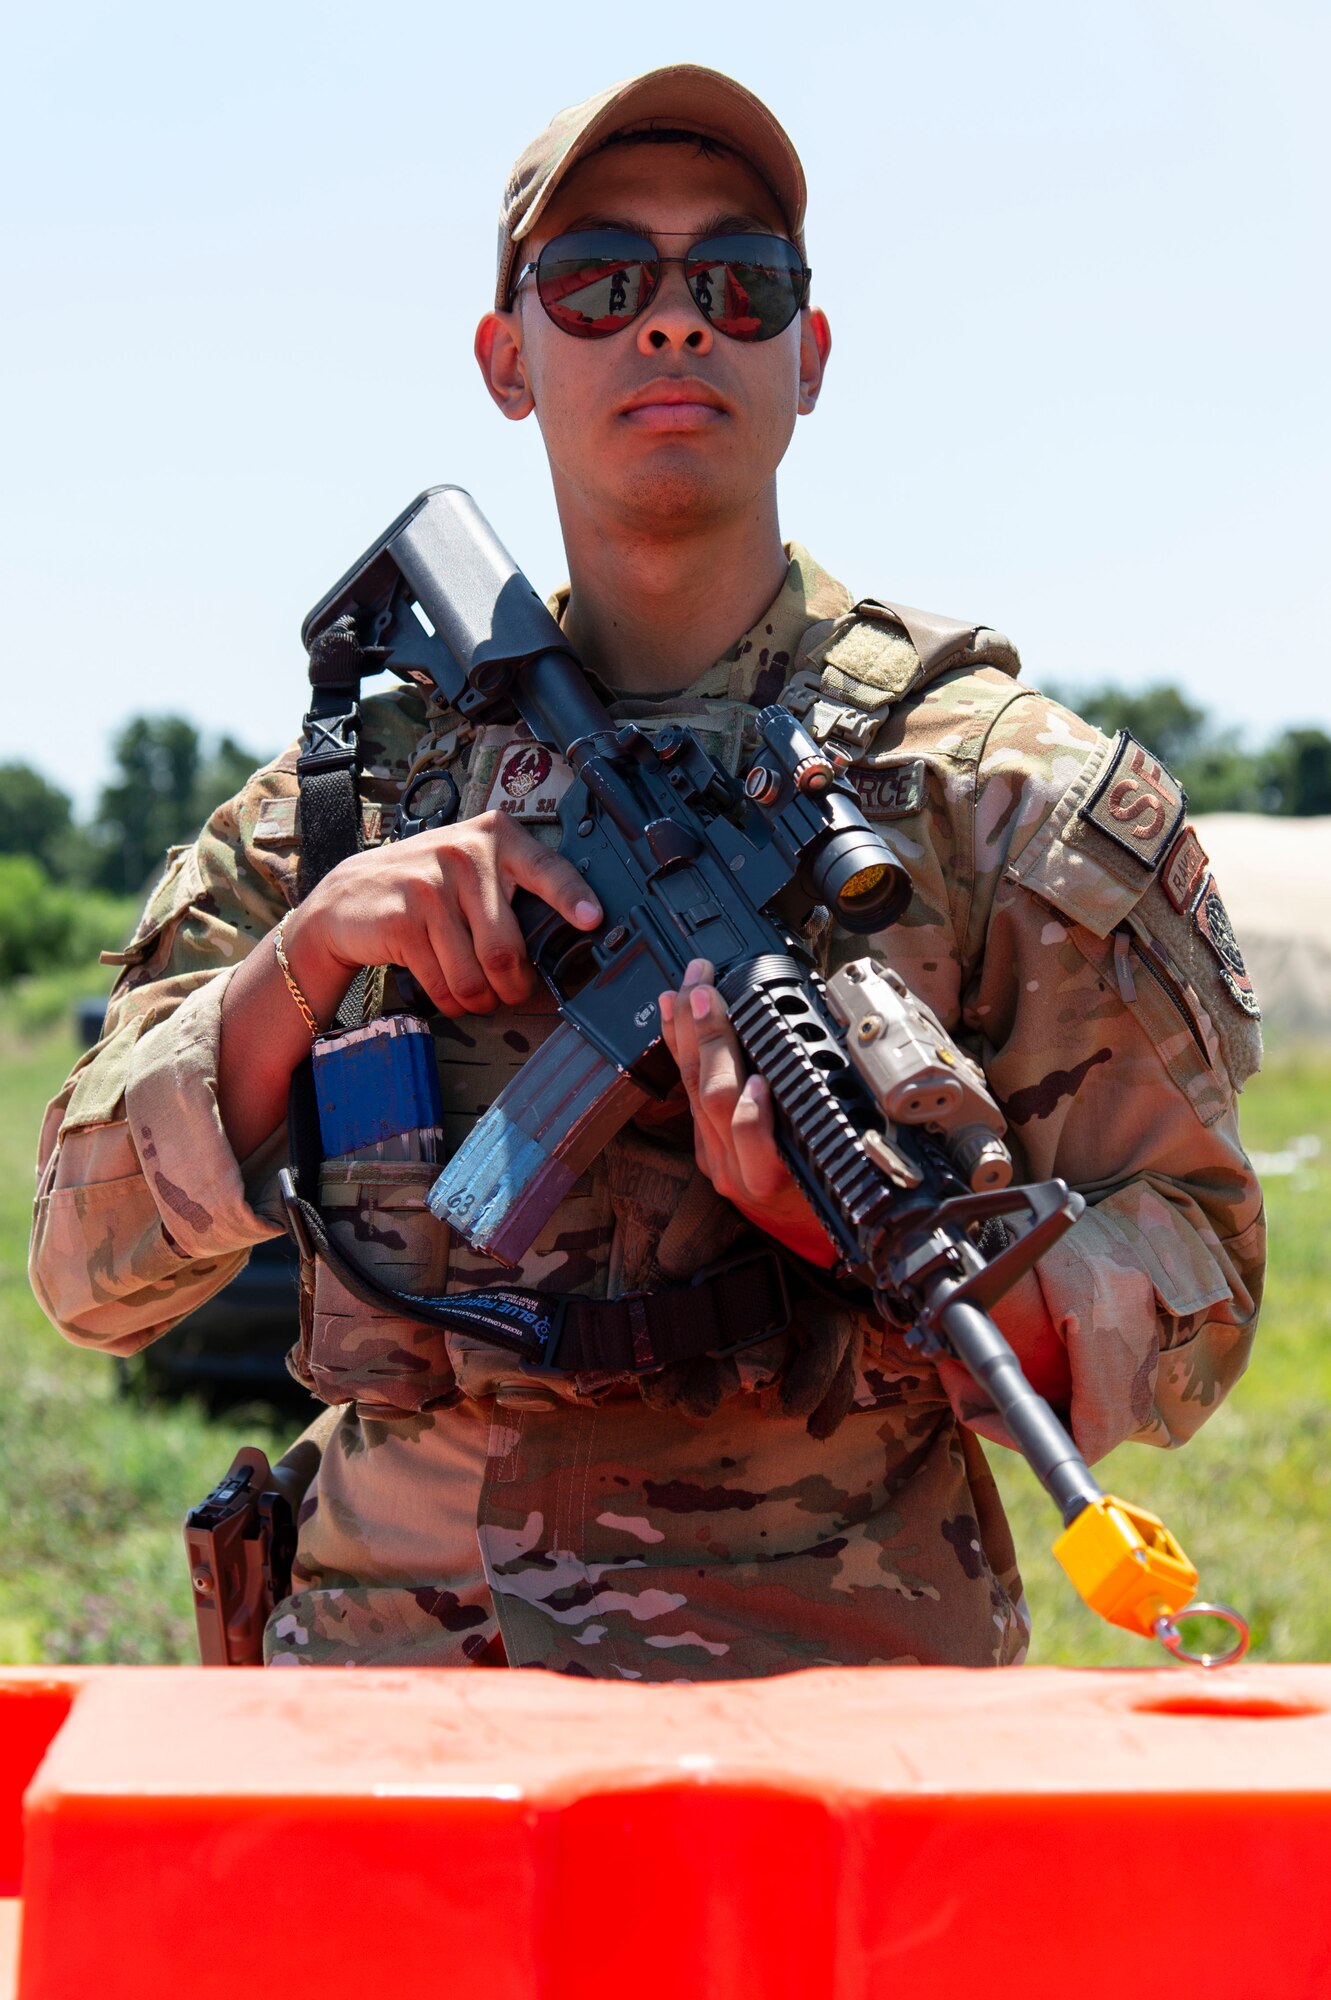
(595, 281)
(749, 287)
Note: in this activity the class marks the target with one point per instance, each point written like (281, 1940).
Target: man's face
(667, 420)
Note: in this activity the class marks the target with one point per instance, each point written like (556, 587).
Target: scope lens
(860, 880)
(862, 884)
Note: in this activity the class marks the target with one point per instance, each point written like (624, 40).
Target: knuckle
(716, 1091)
(554, 872)
(500, 961)
(470, 989)
(745, 1120)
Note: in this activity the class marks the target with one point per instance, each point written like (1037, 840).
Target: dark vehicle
(235, 1345)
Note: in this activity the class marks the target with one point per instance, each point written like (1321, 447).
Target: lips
(674, 405)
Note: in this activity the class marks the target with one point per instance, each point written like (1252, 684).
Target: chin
(672, 491)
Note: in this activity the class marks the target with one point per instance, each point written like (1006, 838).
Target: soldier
(822, 1497)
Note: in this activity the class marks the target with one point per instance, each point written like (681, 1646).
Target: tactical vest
(383, 1281)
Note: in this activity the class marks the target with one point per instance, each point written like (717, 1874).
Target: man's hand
(438, 904)
(734, 1140)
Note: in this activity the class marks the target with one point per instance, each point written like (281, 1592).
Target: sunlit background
(1075, 262)
(1074, 259)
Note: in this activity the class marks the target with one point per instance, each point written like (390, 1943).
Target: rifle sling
(328, 773)
(736, 1303)
(733, 1304)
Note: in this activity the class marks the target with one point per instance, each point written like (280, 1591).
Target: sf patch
(892, 791)
(1137, 803)
(1212, 920)
(1185, 871)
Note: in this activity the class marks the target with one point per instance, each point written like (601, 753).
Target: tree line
(66, 883)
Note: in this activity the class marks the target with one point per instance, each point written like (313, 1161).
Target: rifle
(885, 1123)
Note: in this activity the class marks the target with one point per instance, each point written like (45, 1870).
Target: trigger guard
(561, 953)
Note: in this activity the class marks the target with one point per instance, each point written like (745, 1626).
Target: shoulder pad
(879, 653)
(1106, 839)
(1117, 851)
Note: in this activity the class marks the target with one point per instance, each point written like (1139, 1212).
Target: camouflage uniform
(1062, 927)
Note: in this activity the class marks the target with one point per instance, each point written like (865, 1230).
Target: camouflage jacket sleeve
(1066, 927)
(142, 1210)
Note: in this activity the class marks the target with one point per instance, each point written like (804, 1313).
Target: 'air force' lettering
(891, 791)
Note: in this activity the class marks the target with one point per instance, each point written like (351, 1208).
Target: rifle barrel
(1036, 1431)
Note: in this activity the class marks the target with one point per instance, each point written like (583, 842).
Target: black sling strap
(737, 1302)
(329, 765)
(328, 817)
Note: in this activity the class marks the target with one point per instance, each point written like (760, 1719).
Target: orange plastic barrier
(822, 1836)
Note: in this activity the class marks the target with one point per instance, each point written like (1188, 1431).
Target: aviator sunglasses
(595, 282)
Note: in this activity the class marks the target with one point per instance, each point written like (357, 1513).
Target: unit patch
(1137, 803)
(892, 791)
(1185, 871)
(528, 782)
(1212, 920)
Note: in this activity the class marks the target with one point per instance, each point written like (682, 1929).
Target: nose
(672, 322)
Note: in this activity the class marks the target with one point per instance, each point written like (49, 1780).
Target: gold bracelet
(306, 1011)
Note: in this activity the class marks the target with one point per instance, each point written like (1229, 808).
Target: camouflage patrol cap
(681, 97)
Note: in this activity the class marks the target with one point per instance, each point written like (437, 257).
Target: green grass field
(93, 1487)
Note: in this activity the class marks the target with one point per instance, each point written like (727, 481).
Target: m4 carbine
(885, 1123)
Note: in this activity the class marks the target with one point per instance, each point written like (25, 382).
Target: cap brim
(686, 97)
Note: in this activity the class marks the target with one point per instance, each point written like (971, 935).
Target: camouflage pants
(617, 1540)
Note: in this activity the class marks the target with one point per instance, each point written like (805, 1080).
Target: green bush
(45, 925)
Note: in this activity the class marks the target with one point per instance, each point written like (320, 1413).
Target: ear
(499, 355)
(815, 346)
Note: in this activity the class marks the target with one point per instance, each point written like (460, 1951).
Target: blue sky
(1074, 257)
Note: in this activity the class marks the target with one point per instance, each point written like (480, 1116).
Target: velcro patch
(1137, 803)
(1212, 920)
(276, 822)
(528, 782)
(1185, 871)
(892, 791)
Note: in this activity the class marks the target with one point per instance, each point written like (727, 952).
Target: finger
(665, 1007)
(527, 865)
(720, 1061)
(423, 966)
(497, 942)
(449, 938)
(703, 1137)
(697, 972)
(684, 1044)
(762, 1171)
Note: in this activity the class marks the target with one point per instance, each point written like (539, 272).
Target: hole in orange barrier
(1245, 1708)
